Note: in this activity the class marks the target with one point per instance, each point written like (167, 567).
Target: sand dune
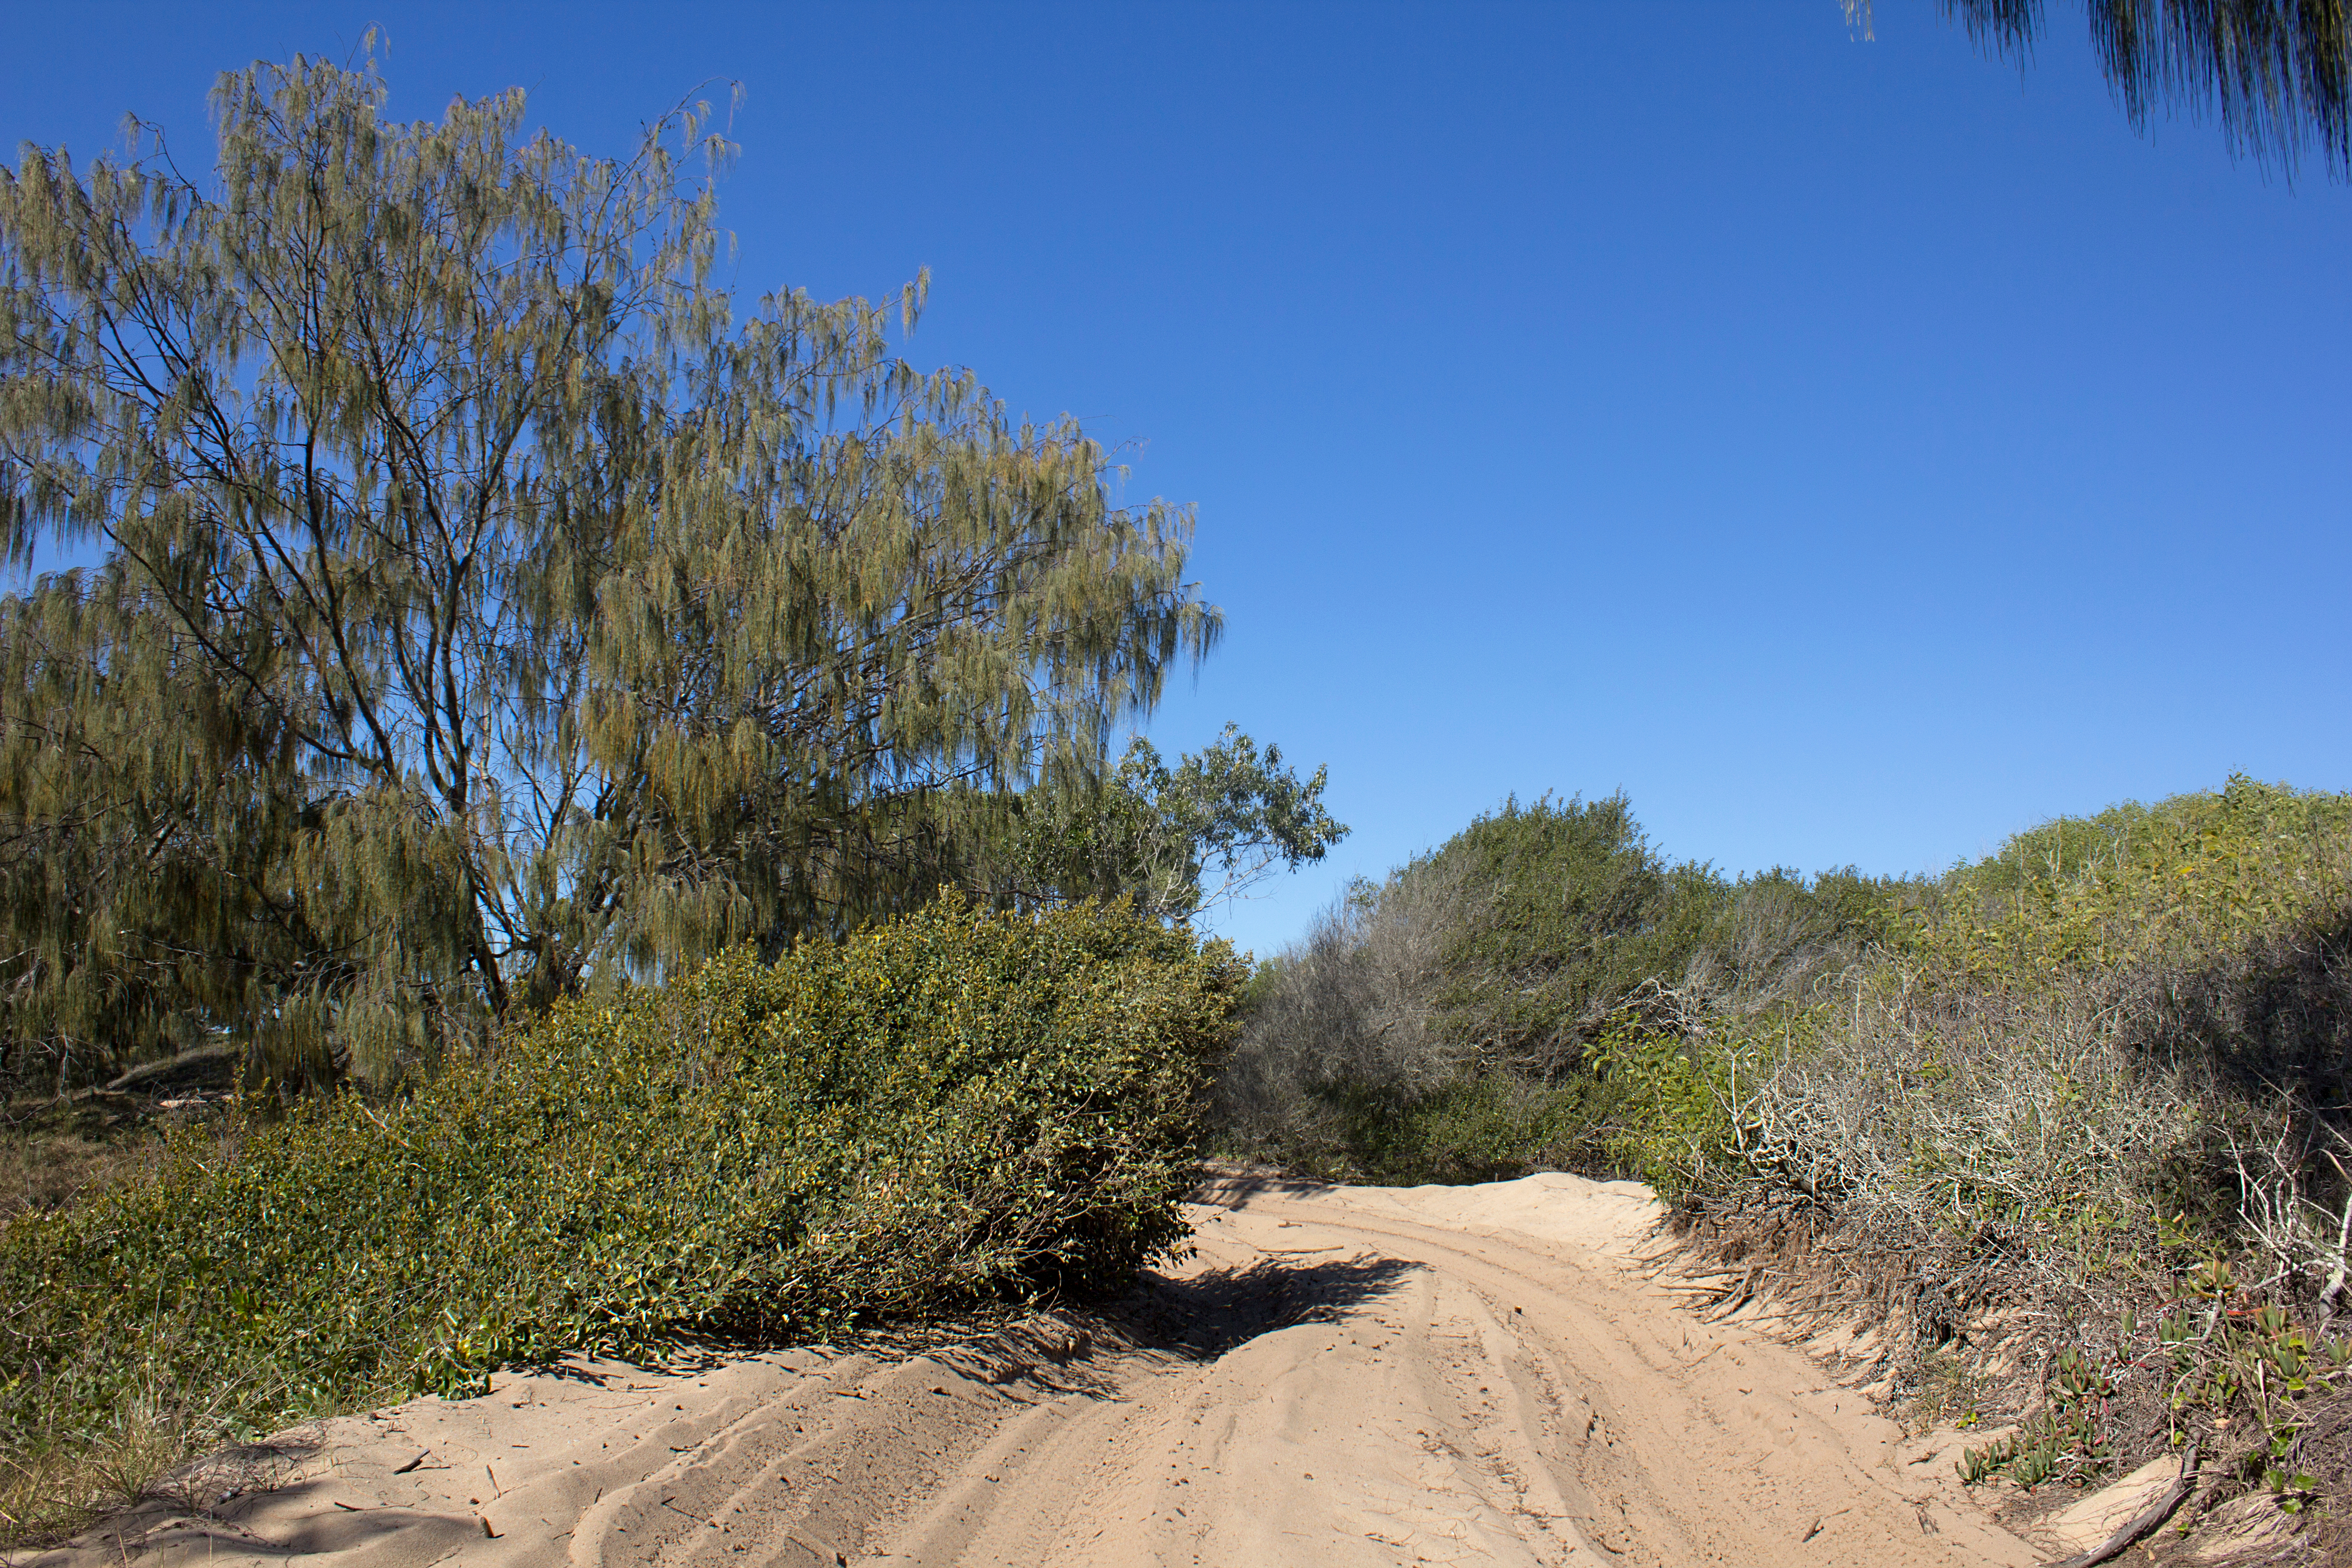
(1341, 1377)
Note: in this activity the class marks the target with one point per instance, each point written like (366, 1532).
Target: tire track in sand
(1341, 1376)
(1519, 1394)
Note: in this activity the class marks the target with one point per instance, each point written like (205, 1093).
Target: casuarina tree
(478, 603)
(2278, 74)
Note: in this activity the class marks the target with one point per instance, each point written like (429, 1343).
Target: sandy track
(1341, 1377)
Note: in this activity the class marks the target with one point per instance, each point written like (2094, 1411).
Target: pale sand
(1374, 1376)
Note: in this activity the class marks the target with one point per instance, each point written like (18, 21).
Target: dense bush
(2049, 1050)
(1457, 1021)
(954, 1105)
(1488, 1127)
(2082, 1106)
(1566, 913)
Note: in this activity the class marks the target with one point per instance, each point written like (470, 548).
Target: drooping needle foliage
(483, 607)
(2277, 74)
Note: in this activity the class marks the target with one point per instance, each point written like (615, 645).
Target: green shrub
(2098, 1075)
(1671, 1122)
(2187, 878)
(1489, 1127)
(1568, 911)
(1544, 991)
(956, 1104)
(1485, 1129)
(2044, 1049)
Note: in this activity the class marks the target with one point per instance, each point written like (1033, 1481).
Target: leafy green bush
(956, 1104)
(1569, 912)
(1535, 993)
(2099, 1076)
(2009, 1107)
(1484, 1128)
(2043, 1039)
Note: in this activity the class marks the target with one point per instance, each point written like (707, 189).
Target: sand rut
(1340, 1376)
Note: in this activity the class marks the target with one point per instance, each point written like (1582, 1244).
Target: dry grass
(47, 1171)
(54, 1150)
(53, 1153)
(50, 1492)
(1997, 1148)
(2060, 1208)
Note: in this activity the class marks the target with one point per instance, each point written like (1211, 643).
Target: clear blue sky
(1855, 451)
